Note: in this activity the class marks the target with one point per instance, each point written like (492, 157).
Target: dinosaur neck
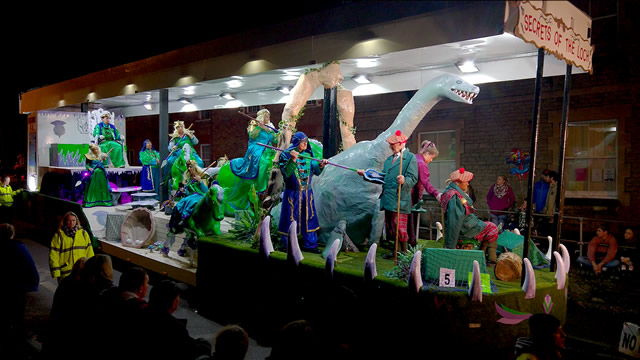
(413, 112)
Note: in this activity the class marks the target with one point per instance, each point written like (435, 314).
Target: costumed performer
(427, 153)
(258, 160)
(297, 197)
(179, 138)
(397, 179)
(70, 243)
(195, 187)
(96, 190)
(460, 221)
(150, 160)
(109, 138)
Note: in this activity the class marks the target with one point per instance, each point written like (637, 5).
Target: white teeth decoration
(469, 96)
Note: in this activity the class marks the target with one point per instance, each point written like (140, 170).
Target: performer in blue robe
(195, 187)
(256, 163)
(297, 196)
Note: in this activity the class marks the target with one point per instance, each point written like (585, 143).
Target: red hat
(398, 137)
(461, 175)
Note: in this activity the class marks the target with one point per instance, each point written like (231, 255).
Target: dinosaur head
(456, 89)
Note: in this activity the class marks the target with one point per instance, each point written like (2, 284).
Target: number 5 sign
(447, 277)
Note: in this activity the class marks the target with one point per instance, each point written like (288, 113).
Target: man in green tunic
(109, 138)
(396, 179)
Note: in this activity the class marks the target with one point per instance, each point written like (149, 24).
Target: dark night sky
(47, 45)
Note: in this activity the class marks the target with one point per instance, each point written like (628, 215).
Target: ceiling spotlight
(284, 89)
(190, 90)
(147, 105)
(184, 100)
(227, 96)
(361, 79)
(467, 66)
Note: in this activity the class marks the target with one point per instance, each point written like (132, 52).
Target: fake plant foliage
(401, 271)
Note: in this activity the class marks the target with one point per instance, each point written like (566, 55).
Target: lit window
(591, 160)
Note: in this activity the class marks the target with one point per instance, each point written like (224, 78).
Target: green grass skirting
(236, 285)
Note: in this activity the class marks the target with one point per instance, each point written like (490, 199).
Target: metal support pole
(557, 217)
(330, 128)
(163, 139)
(533, 155)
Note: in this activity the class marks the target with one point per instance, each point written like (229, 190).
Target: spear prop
(369, 174)
(253, 119)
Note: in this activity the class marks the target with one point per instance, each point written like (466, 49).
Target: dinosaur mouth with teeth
(466, 95)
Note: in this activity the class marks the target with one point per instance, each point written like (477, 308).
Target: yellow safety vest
(65, 251)
(6, 195)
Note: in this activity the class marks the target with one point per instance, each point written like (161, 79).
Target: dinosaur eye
(459, 82)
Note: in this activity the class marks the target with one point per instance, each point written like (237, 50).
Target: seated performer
(297, 196)
(257, 161)
(96, 190)
(150, 160)
(109, 138)
(461, 222)
(195, 188)
(394, 180)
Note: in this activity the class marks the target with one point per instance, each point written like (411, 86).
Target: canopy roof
(397, 52)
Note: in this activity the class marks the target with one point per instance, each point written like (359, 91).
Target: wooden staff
(395, 254)
(254, 119)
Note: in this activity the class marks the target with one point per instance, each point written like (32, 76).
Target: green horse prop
(205, 220)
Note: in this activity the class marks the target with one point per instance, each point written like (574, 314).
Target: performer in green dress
(96, 190)
(150, 160)
(109, 138)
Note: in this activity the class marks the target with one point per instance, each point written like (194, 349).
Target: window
(205, 153)
(445, 163)
(591, 160)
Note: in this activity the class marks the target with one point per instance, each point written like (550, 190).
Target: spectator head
(135, 280)
(603, 230)
(7, 231)
(295, 338)
(69, 220)
(78, 267)
(232, 343)
(547, 330)
(502, 179)
(98, 270)
(165, 295)
(629, 236)
(553, 176)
